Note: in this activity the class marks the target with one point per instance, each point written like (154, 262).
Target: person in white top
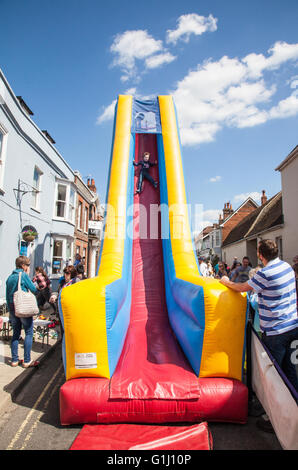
(203, 267)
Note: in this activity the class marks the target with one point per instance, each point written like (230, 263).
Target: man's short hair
(21, 260)
(295, 267)
(268, 249)
(245, 257)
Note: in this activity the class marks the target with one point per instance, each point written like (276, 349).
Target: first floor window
(36, 185)
(1, 143)
(61, 200)
(80, 209)
(3, 137)
(86, 219)
(71, 215)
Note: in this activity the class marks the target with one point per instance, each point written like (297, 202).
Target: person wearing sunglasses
(23, 266)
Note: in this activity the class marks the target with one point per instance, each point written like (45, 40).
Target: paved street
(31, 421)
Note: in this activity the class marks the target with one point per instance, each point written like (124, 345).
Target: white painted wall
(27, 147)
(289, 181)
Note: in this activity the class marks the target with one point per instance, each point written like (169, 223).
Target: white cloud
(204, 219)
(107, 114)
(285, 108)
(280, 53)
(131, 46)
(215, 179)
(191, 24)
(256, 196)
(159, 59)
(232, 92)
(136, 46)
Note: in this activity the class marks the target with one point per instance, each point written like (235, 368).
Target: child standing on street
(43, 285)
(144, 173)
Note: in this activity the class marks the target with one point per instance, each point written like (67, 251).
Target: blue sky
(231, 67)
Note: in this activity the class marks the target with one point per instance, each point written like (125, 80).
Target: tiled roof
(263, 218)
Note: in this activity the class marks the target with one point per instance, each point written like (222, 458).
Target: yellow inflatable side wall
(83, 305)
(225, 310)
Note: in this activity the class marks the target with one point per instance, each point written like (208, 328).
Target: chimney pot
(263, 198)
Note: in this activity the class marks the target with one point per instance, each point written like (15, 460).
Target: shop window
(57, 257)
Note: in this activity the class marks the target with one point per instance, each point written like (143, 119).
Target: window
(61, 201)
(62, 254)
(86, 219)
(80, 208)
(71, 215)
(36, 185)
(68, 250)
(217, 238)
(3, 141)
(65, 201)
(57, 256)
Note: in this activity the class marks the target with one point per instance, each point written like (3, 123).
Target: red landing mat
(143, 437)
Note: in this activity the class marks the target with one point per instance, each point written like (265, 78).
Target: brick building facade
(232, 218)
(209, 241)
(87, 208)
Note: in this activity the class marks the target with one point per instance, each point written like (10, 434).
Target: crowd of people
(40, 286)
(237, 272)
(272, 288)
(272, 291)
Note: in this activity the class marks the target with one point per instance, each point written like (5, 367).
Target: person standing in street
(241, 274)
(203, 267)
(277, 302)
(22, 266)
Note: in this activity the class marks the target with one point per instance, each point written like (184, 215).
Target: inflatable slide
(149, 340)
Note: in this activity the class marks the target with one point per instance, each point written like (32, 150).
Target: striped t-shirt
(276, 288)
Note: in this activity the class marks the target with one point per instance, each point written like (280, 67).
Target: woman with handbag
(22, 306)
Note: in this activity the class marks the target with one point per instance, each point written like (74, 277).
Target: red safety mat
(152, 364)
(143, 437)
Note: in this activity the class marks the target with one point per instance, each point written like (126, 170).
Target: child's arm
(136, 164)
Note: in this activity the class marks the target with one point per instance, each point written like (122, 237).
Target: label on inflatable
(85, 361)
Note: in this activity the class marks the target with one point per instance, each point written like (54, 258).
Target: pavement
(13, 379)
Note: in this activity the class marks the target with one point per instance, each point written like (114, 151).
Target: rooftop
(263, 218)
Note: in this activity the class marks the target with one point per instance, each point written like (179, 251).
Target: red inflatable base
(87, 400)
(143, 437)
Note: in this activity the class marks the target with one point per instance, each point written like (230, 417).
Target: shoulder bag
(25, 303)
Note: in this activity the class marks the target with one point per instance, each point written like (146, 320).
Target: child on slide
(144, 173)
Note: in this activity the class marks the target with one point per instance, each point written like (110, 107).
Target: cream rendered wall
(239, 249)
(289, 181)
(236, 249)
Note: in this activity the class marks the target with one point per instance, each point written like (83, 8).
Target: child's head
(146, 156)
(40, 270)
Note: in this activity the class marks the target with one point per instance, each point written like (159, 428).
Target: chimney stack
(227, 211)
(91, 185)
(263, 198)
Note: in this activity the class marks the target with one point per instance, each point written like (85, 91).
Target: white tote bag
(25, 303)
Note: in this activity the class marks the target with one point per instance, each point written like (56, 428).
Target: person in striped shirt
(277, 300)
